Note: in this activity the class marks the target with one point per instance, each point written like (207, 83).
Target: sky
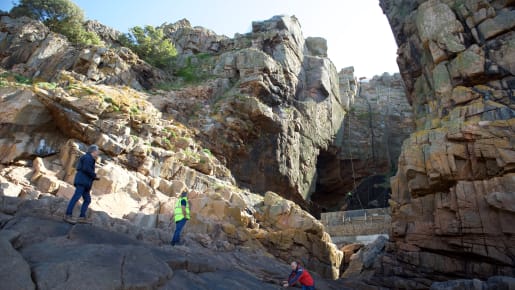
(357, 31)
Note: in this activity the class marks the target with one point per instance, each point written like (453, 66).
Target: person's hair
(92, 148)
(184, 193)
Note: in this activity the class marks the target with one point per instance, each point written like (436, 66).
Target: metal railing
(357, 222)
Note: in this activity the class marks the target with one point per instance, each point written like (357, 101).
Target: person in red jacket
(301, 275)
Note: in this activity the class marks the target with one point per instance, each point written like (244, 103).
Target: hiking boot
(83, 220)
(69, 219)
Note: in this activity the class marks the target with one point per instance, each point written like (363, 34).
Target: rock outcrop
(270, 102)
(267, 103)
(451, 203)
(107, 34)
(147, 161)
(30, 49)
(192, 40)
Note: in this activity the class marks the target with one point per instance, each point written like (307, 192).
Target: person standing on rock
(181, 216)
(300, 275)
(83, 181)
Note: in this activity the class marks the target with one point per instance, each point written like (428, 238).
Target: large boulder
(14, 270)
(294, 233)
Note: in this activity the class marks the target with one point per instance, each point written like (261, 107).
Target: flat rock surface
(51, 254)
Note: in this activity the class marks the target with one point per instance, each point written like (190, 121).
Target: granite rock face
(191, 40)
(379, 120)
(272, 102)
(267, 102)
(452, 197)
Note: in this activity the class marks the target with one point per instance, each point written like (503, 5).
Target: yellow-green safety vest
(178, 209)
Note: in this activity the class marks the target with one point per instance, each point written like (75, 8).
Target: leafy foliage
(150, 44)
(19, 79)
(193, 70)
(61, 16)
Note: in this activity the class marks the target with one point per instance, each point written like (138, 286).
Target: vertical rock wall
(453, 198)
(379, 120)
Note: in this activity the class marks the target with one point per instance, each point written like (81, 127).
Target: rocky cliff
(379, 120)
(269, 102)
(258, 118)
(453, 195)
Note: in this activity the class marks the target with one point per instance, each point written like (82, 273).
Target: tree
(49, 11)
(150, 44)
(61, 16)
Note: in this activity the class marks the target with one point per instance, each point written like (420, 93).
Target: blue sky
(357, 31)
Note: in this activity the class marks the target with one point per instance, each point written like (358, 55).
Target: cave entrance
(331, 186)
(335, 189)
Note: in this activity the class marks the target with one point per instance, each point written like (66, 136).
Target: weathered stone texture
(452, 195)
(30, 49)
(275, 104)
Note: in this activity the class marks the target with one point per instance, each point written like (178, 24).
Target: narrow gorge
(269, 137)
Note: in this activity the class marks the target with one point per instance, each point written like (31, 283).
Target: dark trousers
(80, 191)
(178, 229)
(308, 287)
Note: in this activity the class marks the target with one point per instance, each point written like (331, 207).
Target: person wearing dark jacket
(300, 275)
(83, 181)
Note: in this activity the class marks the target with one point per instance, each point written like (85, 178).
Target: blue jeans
(80, 191)
(308, 287)
(178, 229)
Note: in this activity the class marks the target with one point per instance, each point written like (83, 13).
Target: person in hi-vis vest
(181, 216)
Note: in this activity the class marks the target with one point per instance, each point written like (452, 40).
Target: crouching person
(299, 275)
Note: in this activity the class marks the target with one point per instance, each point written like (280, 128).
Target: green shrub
(168, 86)
(188, 74)
(192, 73)
(108, 100)
(22, 79)
(48, 86)
(150, 44)
(134, 110)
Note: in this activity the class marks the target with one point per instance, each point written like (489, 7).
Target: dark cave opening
(331, 186)
(338, 188)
